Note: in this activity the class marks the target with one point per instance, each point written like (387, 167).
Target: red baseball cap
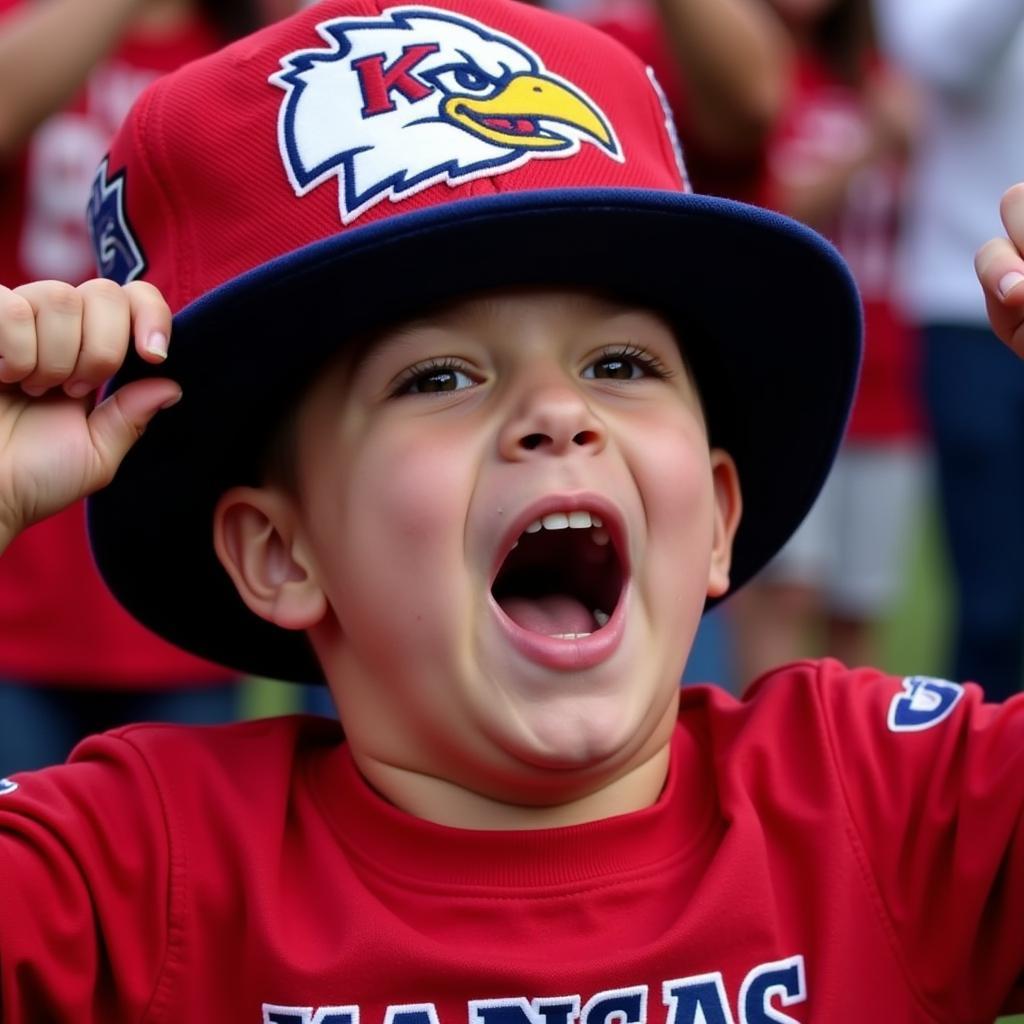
(357, 163)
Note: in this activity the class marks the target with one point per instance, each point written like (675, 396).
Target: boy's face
(461, 640)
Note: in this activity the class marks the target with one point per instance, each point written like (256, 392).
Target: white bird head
(399, 102)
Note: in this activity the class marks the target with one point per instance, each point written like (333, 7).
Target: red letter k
(377, 81)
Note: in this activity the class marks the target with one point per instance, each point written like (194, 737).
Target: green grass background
(912, 641)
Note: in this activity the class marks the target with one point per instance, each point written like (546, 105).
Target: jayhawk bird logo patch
(6, 786)
(399, 102)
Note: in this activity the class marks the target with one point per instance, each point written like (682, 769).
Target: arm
(814, 191)
(735, 57)
(933, 796)
(949, 44)
(57, 346)
(83, 849)
(47, 49)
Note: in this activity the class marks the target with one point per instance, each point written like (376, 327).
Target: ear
(728, 508)
(256, 535)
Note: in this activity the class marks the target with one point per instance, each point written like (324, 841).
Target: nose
(551, 418)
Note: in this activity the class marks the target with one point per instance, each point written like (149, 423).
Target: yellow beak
(512, 118)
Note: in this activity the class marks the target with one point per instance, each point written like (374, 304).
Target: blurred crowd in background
(888, 126)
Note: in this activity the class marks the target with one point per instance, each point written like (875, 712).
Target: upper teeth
(564, 521)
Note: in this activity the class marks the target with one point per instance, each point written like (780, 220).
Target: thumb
(119, 420)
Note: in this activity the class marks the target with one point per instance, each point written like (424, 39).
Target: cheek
(673, 471)
(672, 464)
(422, 493)
(401, 515)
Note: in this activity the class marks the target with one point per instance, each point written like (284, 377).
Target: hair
(233, 18)
(279, 461)
(845, 38)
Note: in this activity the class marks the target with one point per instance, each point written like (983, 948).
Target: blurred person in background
(71, 660)
(968, 58)
(723, 66)
(837, 162)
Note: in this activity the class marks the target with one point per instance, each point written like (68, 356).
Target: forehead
(492, 318)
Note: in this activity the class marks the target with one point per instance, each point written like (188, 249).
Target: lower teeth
(600, 617)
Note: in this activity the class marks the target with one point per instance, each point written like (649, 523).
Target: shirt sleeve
(84, 889)
(933, 780)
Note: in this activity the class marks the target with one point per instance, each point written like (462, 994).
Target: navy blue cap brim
(766, 309)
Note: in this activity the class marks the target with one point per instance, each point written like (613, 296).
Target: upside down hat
(357, 163)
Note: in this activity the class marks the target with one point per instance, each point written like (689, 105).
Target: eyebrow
(368, 351)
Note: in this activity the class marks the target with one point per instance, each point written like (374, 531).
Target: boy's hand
(58, 344)
(1000, 268)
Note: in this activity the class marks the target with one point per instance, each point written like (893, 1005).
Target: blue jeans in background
(974, 389)
(40, 724)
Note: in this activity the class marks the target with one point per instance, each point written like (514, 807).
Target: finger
(151, 320)
(119, 420)
(1000, 270)
(17, 336)
(1011, 209)
(106, 329)
(58, 310)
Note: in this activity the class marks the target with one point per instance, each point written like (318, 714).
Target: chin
(582, 734)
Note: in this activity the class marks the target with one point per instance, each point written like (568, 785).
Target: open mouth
(563, 578)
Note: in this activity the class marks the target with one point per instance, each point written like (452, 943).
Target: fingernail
(34, 392)
(78, 389)
(156, 344)
(171, 401)
(1009, 281)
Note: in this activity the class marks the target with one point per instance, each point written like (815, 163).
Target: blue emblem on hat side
(117, 251)
(415, 96)
(7, 786)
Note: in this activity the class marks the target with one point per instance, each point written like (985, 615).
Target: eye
(471, 78)
(433, 377)
(467, 77)
(626, 363)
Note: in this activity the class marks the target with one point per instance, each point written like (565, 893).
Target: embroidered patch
(925, 703)
(6, 786)
(117, 251)
(413, 97)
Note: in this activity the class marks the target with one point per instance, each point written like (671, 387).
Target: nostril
(584, 437)
(532, 441)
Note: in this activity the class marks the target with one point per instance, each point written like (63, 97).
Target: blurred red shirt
(58, 622)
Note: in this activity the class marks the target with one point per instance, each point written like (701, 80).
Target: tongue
(521, 125)
(552, 615)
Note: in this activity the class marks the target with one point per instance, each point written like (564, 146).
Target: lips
(559, 587)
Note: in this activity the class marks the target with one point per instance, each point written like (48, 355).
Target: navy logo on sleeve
(925, 703)
(6, 786)
(115, 247)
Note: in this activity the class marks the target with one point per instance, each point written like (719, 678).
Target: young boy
(469, 384)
